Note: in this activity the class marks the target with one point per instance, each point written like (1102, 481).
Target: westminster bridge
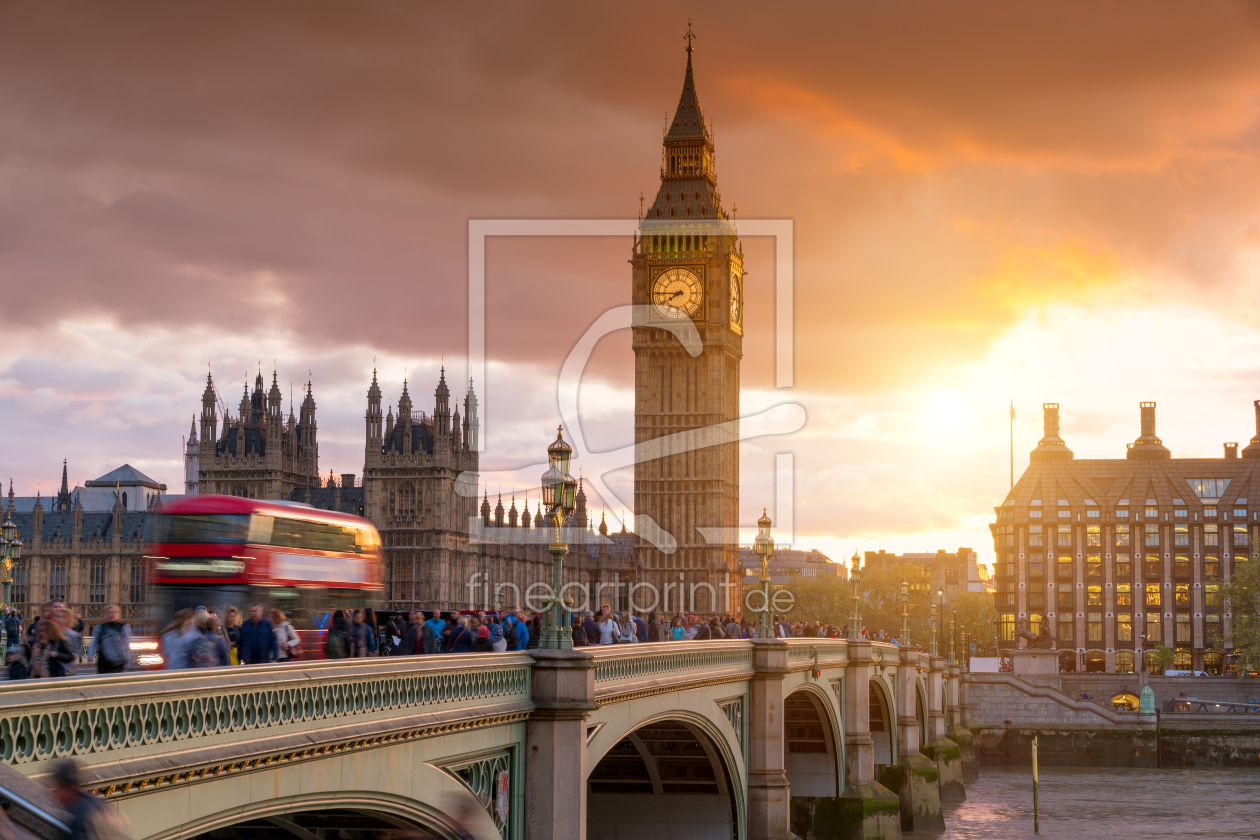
(723, 739)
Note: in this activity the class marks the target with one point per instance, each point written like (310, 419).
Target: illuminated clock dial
(677, 293)
(737, 299)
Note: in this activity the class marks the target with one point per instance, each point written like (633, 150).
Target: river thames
(1149, 804)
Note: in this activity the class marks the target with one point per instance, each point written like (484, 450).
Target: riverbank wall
(1006, 713)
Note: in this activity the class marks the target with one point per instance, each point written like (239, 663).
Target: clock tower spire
(688, 266)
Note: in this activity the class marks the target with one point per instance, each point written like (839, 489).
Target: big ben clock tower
(688, 267)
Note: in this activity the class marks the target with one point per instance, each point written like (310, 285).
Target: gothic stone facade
(1111, 550)
(259, 454)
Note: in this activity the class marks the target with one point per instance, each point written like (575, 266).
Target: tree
(977, 617)
(1242, 598)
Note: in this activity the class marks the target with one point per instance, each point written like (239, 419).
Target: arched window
(1212, 661)
(1181, 660)
(1067, 662)
(124, 500)
(1095, 662)
(240, 491)
(407, 500)
(1124, 662)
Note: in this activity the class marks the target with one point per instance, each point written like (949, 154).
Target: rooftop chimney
(1148, 445)
(1051, 447)
(1231, 450)
(347, 480)
(1253, 448)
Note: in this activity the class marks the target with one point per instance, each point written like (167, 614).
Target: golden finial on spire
(690, 36)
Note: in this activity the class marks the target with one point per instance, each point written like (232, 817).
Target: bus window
(313, 536)
(260, 529)
(218, 529)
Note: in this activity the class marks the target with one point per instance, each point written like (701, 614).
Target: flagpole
(1012, 444)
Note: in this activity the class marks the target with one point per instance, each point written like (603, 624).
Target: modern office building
(1119, 555)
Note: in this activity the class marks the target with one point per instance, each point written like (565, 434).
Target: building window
(1181, 534)
(1037, 600)
(1067, 630)
(1065, 566)
(1154, 633)
(1093, 596)
(1183, 628)
(1034, 534)
(1008, 570)
(1209, 512)
(57, 580)
(1124, 627)
(96, 581)
(18, 592)
(1092, 513)
(1094, 627)
(1181, 566)
(1006, 627)
(1124, 595)
(1152, 565)
(1210, 535)
(1152, 595)
(1212, 598)
(1179, 513)
(1093, 535)
(1122, 535)
(1182, 596)
(240, 491)
(1152, 535)
(1036, 566)
(1123, 567)
(1209, 488)
(1124, 661)
(1212, 630)
(1181, 658)
(1211, 567)
(1065, 536)
(137, 587)
(1122, 513)
(1240, 532)
(1066, 600)
(1093, 565)
(1151, 513)
(1240, 513)
(1034, 514)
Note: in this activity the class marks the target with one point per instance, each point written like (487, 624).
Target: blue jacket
(522, 633)
(640, 628)
(258, 643)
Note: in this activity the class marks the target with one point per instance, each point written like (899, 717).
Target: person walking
(461, 637)
(90, 818)
(362, 637)
(629, 632)
(50, 655)
(703, 632)
(257, 645)
(590, 628)
(208, 649)
(288, 643)
(232, 632)
(337, 639)
(609, 632)
(677, 630)
(656, 628)
(434, 633)
(175, 640)
(497, 643)
(111, 643)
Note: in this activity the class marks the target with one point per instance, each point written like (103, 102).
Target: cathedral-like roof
(124, 475)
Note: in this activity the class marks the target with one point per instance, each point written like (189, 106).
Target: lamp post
(763, 544)
(905, 614)
(559, 491)
(952, 617)
(932, 649)
(855, 628)
(11, 551)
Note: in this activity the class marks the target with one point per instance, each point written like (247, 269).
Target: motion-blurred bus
(221, 551)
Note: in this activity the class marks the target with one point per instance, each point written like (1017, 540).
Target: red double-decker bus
(221, 551)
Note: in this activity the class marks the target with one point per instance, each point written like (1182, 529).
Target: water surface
(1107, 803)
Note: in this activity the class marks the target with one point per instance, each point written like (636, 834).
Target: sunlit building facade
(1119, 555)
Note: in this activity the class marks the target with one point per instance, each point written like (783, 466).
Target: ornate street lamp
(11, 552)
(855, 628)
(559, 492)
(905, 614)
(952, 616)
(764, 546)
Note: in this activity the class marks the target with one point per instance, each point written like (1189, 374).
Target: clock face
(737, 300)
(677, 293)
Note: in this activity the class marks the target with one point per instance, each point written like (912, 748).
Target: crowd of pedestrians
(51, 645)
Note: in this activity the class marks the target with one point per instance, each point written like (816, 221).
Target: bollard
(1036, 816)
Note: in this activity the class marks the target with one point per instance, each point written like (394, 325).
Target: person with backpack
(257, 645)
(288, 644)
(208, 650)
(176, 639)
(13, 626)
(90, 818)
(111, 643)
(434, 633)
(337, 640)
(15, 658)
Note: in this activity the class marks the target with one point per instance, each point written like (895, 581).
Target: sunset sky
(991, 201)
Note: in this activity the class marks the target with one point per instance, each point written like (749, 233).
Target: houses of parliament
(445, 545)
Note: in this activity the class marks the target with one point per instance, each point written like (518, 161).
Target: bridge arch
(883, 723)
(813, 743)
(921, 710)
(676, 773)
